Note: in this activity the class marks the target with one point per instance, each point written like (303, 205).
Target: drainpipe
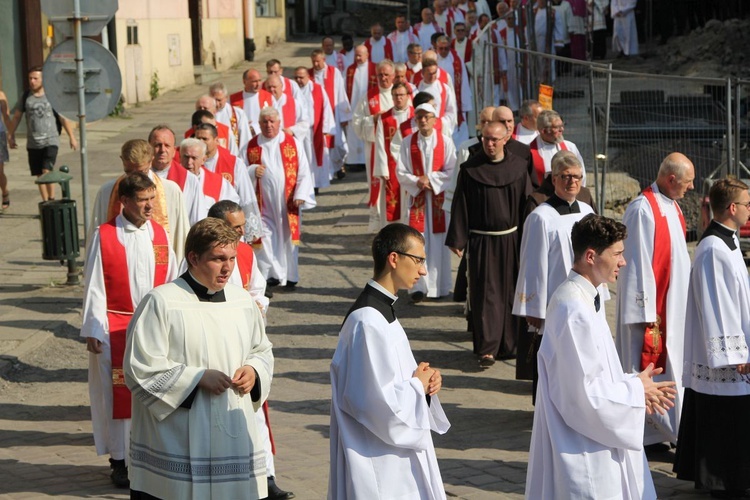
(248, 15)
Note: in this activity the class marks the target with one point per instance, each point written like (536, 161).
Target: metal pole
(81, 116)
(729, 142)
(737, 125)
(606, 134)
(597, 186)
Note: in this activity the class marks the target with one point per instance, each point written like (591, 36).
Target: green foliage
(154, 88)
(119, 110)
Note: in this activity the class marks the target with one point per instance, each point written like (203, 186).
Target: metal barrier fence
(625, 123)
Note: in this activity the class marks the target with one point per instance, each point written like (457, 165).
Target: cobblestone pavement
(46, 446)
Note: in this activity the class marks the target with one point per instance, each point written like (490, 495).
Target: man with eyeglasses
(424, 168)
(384, 167)
(485, 216)
(652, 292)
(376, 102)
(546, 258)
(549, 141)
(713, 439)
(383, 404)
(449, 61)
(414, 61)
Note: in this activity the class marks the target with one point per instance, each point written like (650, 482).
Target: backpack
(58, 121)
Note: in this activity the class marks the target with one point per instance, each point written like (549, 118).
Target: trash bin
(59, 223)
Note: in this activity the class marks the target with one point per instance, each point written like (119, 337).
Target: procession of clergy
(399, 105)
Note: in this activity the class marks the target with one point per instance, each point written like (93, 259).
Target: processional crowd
(181, 410)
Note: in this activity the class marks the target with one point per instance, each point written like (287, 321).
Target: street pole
(81, 116)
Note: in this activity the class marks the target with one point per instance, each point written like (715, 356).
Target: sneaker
(119, 474)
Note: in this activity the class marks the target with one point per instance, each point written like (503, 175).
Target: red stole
(245, 258)
(177, 173)
(408, 127)
(222, 137)
(289, 111)
(373, 105)
(417, 211)
(290, 162)
(237, 100)
(264, 99)
(457, 84)
(372, 79)
(495, 55)
(655, 339)
(514, 135)
(320, 140)
(212, 183)
(233, 124)
(467, 49)
(392, 186)
(225, 163)
(442, 77)
(388, 49)
(329, 82)
(538, 160)
(120, 302)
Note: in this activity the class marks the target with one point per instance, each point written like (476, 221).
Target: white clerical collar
(129, 227)
(377, 286)
(274, 140)
(663, 196)
(583, 283)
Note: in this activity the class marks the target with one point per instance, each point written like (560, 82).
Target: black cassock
(490, 198)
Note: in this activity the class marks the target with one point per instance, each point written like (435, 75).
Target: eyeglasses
(427, 116)
(492, 139)
(746, 204)
(399, 95)
(570, 177)
(417, 260)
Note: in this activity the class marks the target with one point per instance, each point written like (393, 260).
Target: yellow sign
(545, 96)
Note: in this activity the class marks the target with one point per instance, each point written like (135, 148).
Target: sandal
(6, 202)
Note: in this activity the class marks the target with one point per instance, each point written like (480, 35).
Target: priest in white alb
(366, 114)
(624, 30)
(443, 94)
(652, 291)
(360, 78)
(292, 112)
(322, 127)
(232, 116)
(127, 256)
(449, 61)
(278, 165)
(199, 364)
(251, 99)
(549, 141)
(587, 437)
(425, 166)
(383, 404)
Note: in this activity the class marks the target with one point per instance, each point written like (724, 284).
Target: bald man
(652, 289)
(252, 98)
(504, 115)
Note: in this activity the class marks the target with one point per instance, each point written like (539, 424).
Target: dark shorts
(41, 160)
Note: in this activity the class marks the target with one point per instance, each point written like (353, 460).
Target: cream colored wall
(273, 28)
(153, 47)
(223, 44)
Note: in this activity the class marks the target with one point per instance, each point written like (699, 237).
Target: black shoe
(486, 361)
(417, 297)
(272, 282)
(730, 494)
(276, 493)
(656, 448)
(316, 191)
(291, 285)
(341, 174)
(268, 293)
(119, 474)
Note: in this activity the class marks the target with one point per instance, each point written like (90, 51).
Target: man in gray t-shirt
(43, 134)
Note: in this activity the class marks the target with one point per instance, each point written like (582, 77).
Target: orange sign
(545, 96)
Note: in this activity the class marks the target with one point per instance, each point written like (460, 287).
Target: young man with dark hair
(383, 404)
(200, 365)
(43, 130)
(587, 439)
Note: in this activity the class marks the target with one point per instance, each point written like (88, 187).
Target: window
(267, 8)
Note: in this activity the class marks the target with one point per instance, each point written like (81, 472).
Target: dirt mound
(717, 49)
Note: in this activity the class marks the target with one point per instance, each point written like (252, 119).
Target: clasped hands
(659, 395)
(431, 379)
(216, 382)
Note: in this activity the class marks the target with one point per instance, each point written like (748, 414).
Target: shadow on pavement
(17, 411)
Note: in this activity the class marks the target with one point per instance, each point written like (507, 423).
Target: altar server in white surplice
(425, 166)
(652, 291)
(199, 364)
(279, 170)
(713, 438)
(127, 256)
(587, 438)
(384, 405)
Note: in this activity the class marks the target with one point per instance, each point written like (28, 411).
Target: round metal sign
(101, 79)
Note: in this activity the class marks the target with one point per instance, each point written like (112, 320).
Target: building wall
(223, 33)
(11, 59)
(271, 29)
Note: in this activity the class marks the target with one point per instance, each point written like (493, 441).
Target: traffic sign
(96, 14)
(102, 80)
